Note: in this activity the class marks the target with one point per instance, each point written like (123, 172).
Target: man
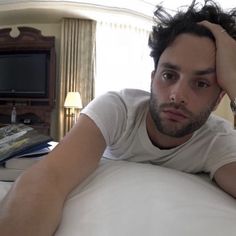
(195, 64)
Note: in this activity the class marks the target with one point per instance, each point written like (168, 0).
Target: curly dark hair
(168, 27)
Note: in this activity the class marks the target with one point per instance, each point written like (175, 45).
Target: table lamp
(73, 101)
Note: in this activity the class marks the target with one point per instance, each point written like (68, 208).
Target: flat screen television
(24, 75)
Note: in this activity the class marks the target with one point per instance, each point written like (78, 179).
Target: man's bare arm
(34, 204)
(226, 78)
(225, 177)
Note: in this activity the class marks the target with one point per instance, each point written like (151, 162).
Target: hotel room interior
(88, 48)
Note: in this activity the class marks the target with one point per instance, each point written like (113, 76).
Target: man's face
(184, 89)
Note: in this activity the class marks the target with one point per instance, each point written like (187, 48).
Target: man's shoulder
(128, 102)
(131, 98)
(218, 124)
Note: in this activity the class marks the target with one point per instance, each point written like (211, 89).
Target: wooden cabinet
(31, 109)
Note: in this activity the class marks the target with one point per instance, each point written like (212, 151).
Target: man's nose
(179, 93)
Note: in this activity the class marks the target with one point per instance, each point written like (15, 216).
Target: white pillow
(130, 199)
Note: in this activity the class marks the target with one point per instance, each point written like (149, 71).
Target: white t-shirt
(121, 117)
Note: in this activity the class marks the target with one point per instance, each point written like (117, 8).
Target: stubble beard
(175, 129)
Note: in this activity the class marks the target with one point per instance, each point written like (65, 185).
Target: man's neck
(161, 140)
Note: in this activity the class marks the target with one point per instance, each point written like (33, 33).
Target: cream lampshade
(73, 101)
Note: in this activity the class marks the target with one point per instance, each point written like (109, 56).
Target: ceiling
(35, 11)
(22, 11)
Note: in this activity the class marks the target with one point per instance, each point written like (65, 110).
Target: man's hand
(225, 58)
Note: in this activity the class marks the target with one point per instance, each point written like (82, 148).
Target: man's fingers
(214, 28)
(217, 30)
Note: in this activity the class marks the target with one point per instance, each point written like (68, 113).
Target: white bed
(126, 199)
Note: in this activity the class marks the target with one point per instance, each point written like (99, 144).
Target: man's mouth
(173, 114)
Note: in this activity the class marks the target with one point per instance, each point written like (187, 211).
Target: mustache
(177, 106)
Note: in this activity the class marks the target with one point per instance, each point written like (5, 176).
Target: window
(123, 59)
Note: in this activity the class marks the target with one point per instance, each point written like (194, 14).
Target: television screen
(23, 75)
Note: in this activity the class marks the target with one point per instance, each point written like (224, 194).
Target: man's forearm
(225, 177)
(32, 207)
(35, 202)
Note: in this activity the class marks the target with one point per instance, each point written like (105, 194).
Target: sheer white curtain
(122, 58)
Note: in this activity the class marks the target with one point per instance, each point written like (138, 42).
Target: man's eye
(202, 84)
(168, 76)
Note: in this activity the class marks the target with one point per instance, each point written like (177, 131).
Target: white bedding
(126, 199)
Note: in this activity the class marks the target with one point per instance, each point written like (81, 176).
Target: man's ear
(220, 96)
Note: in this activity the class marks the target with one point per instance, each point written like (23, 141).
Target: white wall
(224, 110)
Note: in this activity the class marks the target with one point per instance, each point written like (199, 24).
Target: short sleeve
(109, 113)
(222, 152)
